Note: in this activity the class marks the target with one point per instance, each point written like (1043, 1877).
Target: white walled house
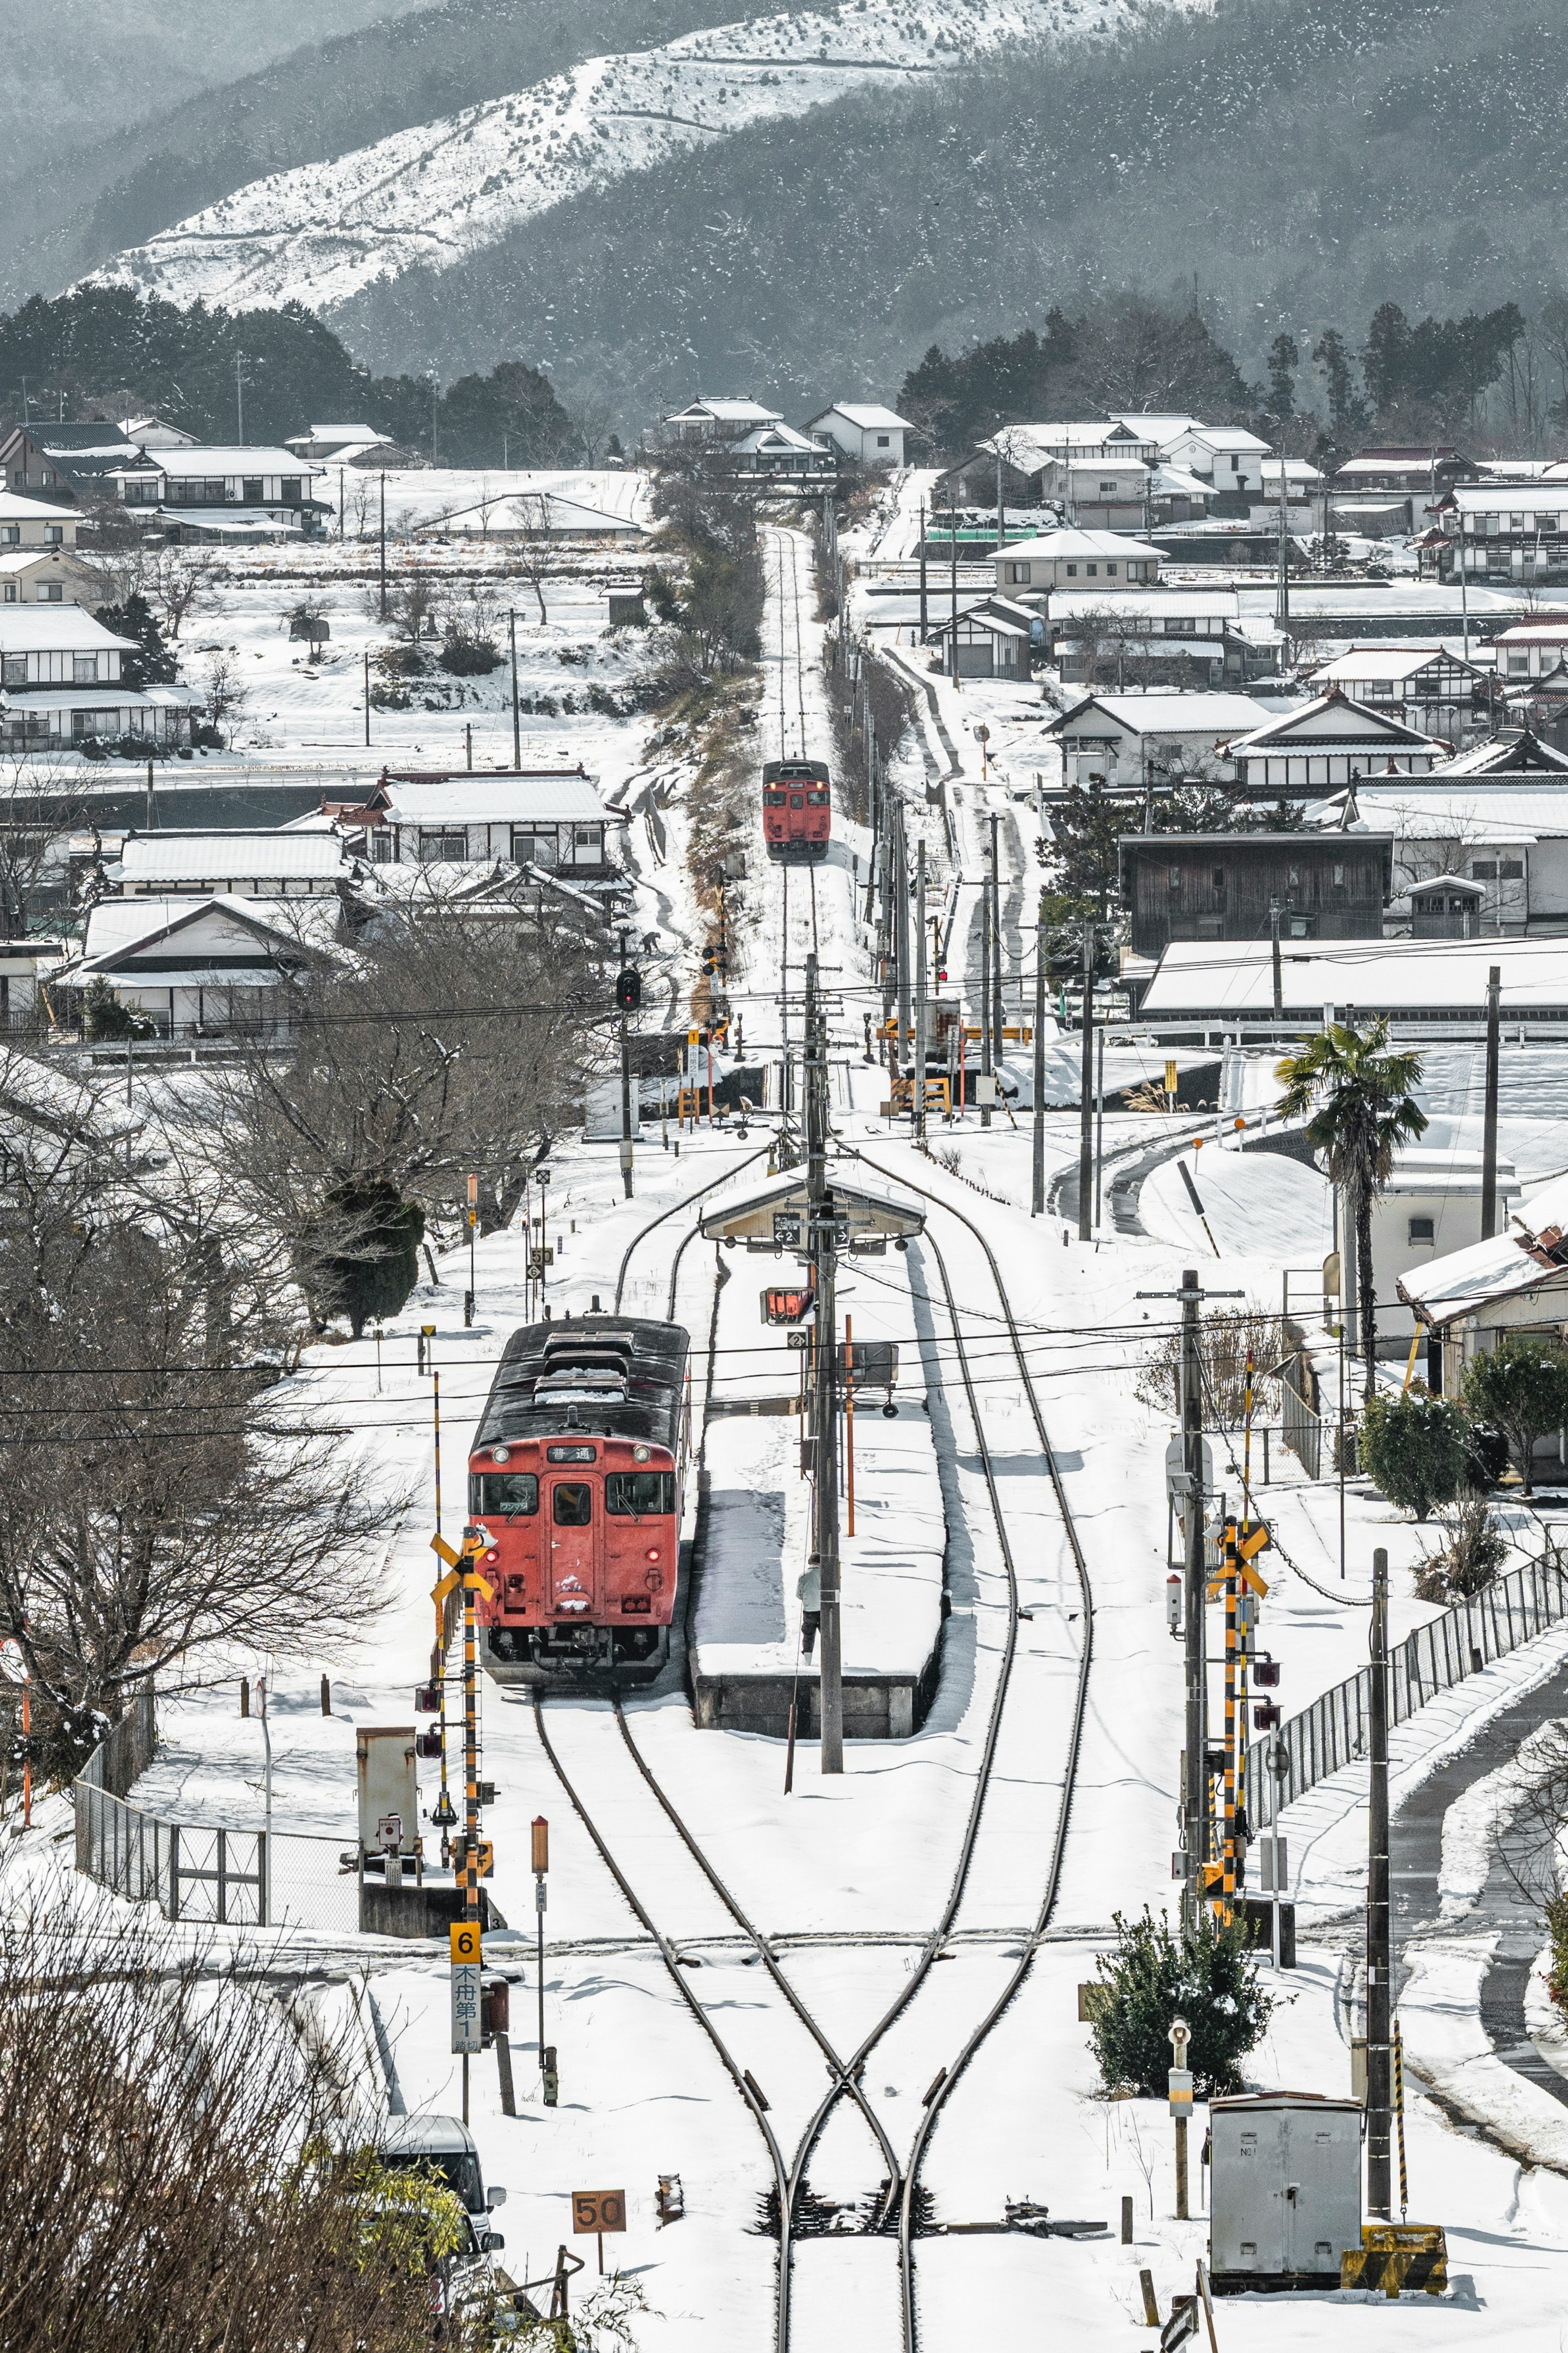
(1430, 1207)
(1225, 455)
(27, 522)
(1126, 739)
(556, 821)
(1501, 841)
(293, 863)
(198, 966)
(48, 576)
(1329, 741)
(224, 492)
(1511, 1287)
(60, 683)
(870, 434)
(1063, 559)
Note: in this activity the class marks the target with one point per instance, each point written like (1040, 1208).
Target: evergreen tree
(1153, 1977)
(152, 664)
(366, 1257)
(1418, 1449)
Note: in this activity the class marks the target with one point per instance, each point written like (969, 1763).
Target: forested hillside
(1299, 165)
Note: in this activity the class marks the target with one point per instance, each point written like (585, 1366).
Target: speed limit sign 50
(598, 2210)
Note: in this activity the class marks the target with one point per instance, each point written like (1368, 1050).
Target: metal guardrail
(201, 1873)
(1333, 1732)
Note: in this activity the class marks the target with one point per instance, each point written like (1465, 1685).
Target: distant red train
(576, 1478)
(798, 811)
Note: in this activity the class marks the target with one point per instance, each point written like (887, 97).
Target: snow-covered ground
(848, 1876)
(432, 196)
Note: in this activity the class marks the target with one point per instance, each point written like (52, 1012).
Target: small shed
(1284, 2189)
(1447, 907)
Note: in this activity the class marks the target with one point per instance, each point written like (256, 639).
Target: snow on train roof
(645, 1401)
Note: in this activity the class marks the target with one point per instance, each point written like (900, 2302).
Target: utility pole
(435, 397)
(1000, 510)
(995, 1008)
(367, 694)
(924, 615)
(1086, 1095)
(901, 933)
(985, 996)
(516, 707)
(1194, 1779)
(952, 568)
(1379, 2101)
(626, 1090)
(1037, 1194)
(239, 398)
(921, 1012)
(1274, 944)
(1489, 1120)
(1282, 604)
(384, 547)
(824, 1400)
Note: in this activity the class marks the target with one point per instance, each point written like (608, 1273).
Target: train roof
(605, 1376)
(795, 767)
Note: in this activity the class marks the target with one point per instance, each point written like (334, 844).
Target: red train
(576, 1478)
(798, 811)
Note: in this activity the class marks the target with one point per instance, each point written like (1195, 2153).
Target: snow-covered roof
(779, 436)
(998, 615)
(1549, 495)
(1402, 977)
(230, 523)
(1515, 750)
(200, 457)
(1297, 470)
(1225, 436)
(119, 929)
(418, 496)
(1419, 809)
(26, 559)
(504, 800)
(1056, 546)
(1028, 446)
(46, 629)
(213, 856)
(1174, 481)
(65, 696)
(1159, 429)
(342, 433)
(868, 415)
(725, 411)
(1170, 714)
(1334, 719)
(1533, 633)
(1386, 661)
(1137, 604)
(15, 508)
(535, 510)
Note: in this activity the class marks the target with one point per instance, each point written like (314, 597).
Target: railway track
(895, 2203)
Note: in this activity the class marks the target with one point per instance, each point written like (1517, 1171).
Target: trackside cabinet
(1284, 2189)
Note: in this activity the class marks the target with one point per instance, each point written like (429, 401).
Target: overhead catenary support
(824, 1400)
(985, 1066)
(995, 1012)
(1488, 1120)
(902, 935)
(515, 706)
(1278, 974)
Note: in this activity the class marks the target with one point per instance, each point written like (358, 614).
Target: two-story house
(711, 422)
(38, 565)
(74, 464)
(550, 818)
(61, 684)
(1225, 455)
(200, 492)
(864, 432)
(1426, 686)
(1327, 741)
(1512, 533)
(1096, 472)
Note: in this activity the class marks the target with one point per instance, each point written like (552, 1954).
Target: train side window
(505, 1493)
(573, 1504)
(635, 1492)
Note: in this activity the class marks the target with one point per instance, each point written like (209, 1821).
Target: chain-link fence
(206, 1873)
(1334, 1731)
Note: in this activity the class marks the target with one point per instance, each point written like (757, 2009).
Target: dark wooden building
(1219, 886)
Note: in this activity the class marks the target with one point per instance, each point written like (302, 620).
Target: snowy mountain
(434, 197)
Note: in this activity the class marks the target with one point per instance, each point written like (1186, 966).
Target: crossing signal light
(711, 958)
(628, 990)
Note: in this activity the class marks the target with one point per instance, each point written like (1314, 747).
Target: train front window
(633, 1493)
(797, 800)
(818, 799)
(502, 1494)
(573, 1504)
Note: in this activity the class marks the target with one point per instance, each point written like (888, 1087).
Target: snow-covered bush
(1417, 1449)
(1154, 1977)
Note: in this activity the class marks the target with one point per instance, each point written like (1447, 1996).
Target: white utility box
(384, 1757)
(1284, 2188)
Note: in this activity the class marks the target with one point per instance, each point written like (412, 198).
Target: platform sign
(467, 1953)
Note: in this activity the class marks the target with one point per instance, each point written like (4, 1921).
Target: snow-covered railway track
(954, 2071)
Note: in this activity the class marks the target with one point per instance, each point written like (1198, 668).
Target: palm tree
(1363, 1110)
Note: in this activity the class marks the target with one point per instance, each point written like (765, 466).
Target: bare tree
(226, 694)
(175, 586)
(156, 1508)
(411, 605)
(186, 2168)
(591, 416)
(532, 544)
(37, 810)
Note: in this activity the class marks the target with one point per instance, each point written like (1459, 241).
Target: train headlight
(653, 1555)
(500, 1454)
(492, 1553)
(640, 1453)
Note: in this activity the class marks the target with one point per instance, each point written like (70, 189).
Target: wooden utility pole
(822, 1241)
(986, 1063)
(922, 1014)
(1489, 1120)
(1279, 975)
(996, 1015)
(516, 707)
(1086, 1095)
(1379, 1957)
(1037, 1193)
